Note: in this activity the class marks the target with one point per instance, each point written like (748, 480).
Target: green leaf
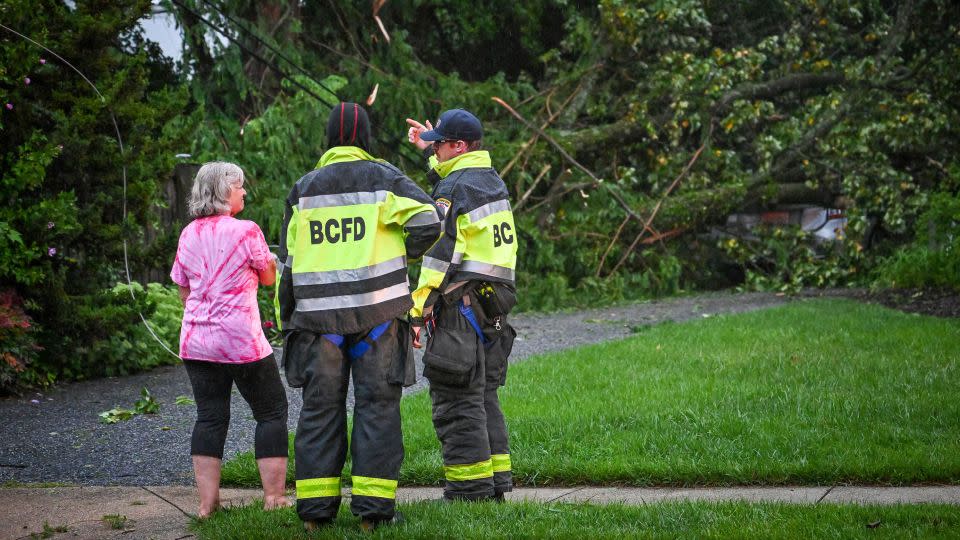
(115, 415)
(146, 404)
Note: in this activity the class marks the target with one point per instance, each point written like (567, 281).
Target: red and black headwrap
(348, 126)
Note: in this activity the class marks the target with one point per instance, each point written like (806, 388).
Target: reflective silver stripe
(487, 269)
(289, 263)
(354, 300)
(488, 209)
(457, 257)
(435, 264)
(350, 274)
(342, 199)
(422, 219)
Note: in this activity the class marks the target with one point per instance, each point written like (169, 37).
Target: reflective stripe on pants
(364, 486)
(469, 471)
(321, 441)
(314, 488)
(469, 420)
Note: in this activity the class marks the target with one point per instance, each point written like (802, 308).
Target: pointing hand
(413, 133)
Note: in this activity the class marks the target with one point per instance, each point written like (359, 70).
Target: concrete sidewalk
(164, 512)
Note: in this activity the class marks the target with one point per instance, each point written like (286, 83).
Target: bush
(114, 339)
(554, 291)
(75, 205)
(661, 277)
(137, 349)
(919, 267)
(543, 293)
(268, 315)
(934, 258)
(18, 347)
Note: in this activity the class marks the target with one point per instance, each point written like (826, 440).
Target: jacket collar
(476, 159)
(340, 154)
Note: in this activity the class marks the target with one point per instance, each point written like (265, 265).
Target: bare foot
(273, 503)
(204, 513)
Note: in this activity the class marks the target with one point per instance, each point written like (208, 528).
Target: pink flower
(9, 106)
(43, 60)
(50, 224)
(26, 80)
(52, 251)
(268, 324)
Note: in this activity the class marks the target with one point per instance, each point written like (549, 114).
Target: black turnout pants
(323, 369)
(464, 378)
(259, 384)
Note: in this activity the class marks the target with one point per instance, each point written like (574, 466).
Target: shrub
(554, 291)
(18, 348)
(115, 340)
(543, 293)
(934, 258)
(918, 267)
(70, 195)
(136, 349)
(661, 277)
(268, 314)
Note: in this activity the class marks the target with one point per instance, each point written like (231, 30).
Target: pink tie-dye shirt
(218, 258)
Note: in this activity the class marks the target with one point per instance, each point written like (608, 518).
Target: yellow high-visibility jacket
(479, 240)
(348, 230)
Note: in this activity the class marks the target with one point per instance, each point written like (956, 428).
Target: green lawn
(814, 392)
(664, 520)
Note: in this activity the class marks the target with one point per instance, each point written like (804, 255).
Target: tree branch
(656, 209)
(613, 241)
(547, 138)
(533, 140)
(526, 195)
(774, 88)
(193, 32)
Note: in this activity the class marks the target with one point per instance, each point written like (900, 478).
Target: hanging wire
(417, 161)
(266, 44)
(116, 127)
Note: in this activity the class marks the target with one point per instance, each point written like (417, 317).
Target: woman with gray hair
(220, 262)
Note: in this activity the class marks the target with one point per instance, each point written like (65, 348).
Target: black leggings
(259, 384)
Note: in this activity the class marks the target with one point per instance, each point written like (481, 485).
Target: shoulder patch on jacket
(443, 203)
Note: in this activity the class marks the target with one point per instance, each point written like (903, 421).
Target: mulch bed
(935, 302)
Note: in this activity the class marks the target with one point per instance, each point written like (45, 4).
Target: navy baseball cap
(455, 125)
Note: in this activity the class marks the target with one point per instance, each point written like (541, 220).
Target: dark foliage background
(644, 126)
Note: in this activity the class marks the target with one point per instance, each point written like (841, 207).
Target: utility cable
(116, 127)
(247, 50)
(260, 40)
(283, 74)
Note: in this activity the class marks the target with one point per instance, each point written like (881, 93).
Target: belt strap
(361, 347)
(336, 339)
(471, 317)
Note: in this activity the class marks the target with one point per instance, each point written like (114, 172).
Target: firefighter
(465, 292)
(349, 227)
